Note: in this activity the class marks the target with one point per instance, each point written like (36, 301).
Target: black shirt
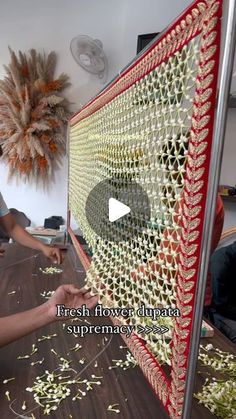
(223, 276)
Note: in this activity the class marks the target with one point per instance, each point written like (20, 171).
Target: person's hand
(2, 251)
(71, 297)
(52, 253)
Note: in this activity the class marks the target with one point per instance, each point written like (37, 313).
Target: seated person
(15, 231)
(223, 274)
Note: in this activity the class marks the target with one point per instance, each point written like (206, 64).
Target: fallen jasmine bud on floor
(130, 362)
(95, 364)
(65, 366)
(23, 407)
(7, 393)
(34, 349)
(54, 352)
(47, 337)
(47, 294)
(32, 416)
(23, 357)
(89, 384)
(79, 395)
(11, 293)
(82, 392)
(8, 379)
(76, 397)
(76, 347)
(209, 347)
(51, 270)
(37, 362)
(104, 340)
(76, 319)
(60, 377)
(113, 408)
(82, 361)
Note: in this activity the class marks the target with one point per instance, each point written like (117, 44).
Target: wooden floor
(128, 389)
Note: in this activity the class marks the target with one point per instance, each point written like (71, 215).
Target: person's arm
(18, 325)
(21, 236)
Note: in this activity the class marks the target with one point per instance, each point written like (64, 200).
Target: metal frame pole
(217, 150)
(68, 174)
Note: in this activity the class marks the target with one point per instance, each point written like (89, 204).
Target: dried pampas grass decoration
(33, 116)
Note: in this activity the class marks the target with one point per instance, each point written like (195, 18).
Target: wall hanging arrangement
(33, 116)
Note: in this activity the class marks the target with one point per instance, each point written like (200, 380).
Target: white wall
(50, 25)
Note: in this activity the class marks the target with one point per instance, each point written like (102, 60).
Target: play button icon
(117, 210)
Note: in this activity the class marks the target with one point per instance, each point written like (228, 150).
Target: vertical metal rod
(217, 150)
(68, 177)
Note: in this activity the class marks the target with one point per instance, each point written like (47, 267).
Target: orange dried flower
(45, 138)
(53, 123)
(2, 133)
(25, 166)
(12, 160)
(16, 105)
(25, 71)
(49, 87)
(52, 147)
(35, 115)
(42, 163)
(10, 133)
(23, 94)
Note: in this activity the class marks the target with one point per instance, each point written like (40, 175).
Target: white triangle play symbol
(117, 210)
